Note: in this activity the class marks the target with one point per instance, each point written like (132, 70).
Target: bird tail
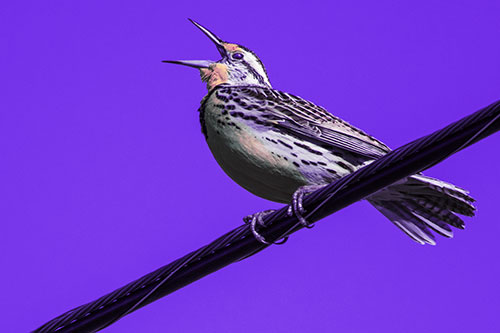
(420, 204)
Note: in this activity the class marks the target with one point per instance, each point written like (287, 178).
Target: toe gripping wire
(257, 219)
(296, 209)
(244, 241)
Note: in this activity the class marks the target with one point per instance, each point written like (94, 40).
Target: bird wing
(301, 118)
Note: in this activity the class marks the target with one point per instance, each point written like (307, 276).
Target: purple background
(105, 175)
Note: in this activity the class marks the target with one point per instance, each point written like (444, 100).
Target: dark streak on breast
(331, 171)
(306, 147)
(285, 144)
(345, 166)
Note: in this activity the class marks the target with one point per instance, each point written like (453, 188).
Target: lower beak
(191, 63)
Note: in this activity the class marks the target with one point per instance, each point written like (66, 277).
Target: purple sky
(105, 175)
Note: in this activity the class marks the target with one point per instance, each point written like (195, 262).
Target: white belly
(244, 156)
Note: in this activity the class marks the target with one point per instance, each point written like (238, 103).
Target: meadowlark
(280, 147)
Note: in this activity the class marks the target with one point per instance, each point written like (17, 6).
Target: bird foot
(257, 219)
(296, 208)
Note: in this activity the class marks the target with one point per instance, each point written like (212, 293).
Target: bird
(282, 147)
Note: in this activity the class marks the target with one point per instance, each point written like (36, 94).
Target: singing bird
(281, 147)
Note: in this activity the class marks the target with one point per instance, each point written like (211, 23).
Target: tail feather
(422, 203)
(441, 194)
(406, 221)
(436, 223)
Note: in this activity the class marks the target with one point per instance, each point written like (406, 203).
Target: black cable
(240, 243)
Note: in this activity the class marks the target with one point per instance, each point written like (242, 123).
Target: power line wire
(240, 242)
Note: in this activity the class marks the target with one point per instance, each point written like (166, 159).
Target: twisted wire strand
(152, 281)
(240, 243)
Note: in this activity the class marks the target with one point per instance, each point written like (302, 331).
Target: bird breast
(246, 157)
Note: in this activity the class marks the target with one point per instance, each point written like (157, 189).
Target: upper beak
(202, 63)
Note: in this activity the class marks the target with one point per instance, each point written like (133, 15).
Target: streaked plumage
(273, 143)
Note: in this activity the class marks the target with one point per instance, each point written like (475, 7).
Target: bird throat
(215, 75)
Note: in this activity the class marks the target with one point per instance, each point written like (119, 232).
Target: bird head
(238, 66)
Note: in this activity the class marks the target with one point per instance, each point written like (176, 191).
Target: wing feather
(301, 118)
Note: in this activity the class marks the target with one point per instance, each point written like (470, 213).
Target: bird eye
(238, 56)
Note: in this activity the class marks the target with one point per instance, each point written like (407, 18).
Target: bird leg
(296, 207)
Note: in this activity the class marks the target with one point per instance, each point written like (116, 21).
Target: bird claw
(296, 207)
(257, 218)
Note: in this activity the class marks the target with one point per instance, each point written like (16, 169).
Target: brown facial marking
(215, 75)
(231, 47)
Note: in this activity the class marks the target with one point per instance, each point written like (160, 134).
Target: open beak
(202, 63)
